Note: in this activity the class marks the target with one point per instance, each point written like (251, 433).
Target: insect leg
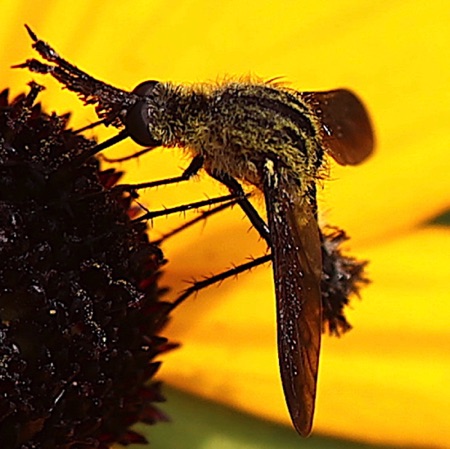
(90, 126)
(185, 207)
(126, 158)
(236, 189)
(203, 216)
(82, 158)
(199, 285)
(193, 168)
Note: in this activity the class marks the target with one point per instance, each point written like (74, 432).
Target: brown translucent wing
(347, 132)
(297, 271)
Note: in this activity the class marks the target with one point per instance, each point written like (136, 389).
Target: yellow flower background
(388, 380)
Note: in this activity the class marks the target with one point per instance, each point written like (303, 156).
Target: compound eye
(137, 120)
(145, 88)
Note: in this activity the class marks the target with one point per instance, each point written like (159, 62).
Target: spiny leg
(126, 158)
(199, 285)
(242, 199)
(236, 189)
(202, 217)
(237, 196)
(192, 169)
(185, 207)
(90, 126)
(82, 158)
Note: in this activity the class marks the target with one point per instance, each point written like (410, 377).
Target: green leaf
(198, 423)
(442, 219)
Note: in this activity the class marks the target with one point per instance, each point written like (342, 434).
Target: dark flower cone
(80, 313)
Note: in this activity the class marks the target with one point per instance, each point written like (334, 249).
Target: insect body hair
(237, 127)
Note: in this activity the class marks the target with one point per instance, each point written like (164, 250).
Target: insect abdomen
(245, 124)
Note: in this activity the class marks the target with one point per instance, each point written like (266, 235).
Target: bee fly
(264, 134)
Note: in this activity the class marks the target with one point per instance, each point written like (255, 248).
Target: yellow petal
(385, 381)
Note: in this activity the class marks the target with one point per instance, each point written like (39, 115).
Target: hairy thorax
(238, 127)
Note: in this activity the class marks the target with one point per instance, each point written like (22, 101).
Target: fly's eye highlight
(137, 120)
(145, 88)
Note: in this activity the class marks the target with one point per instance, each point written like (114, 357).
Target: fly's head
(145, 119)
